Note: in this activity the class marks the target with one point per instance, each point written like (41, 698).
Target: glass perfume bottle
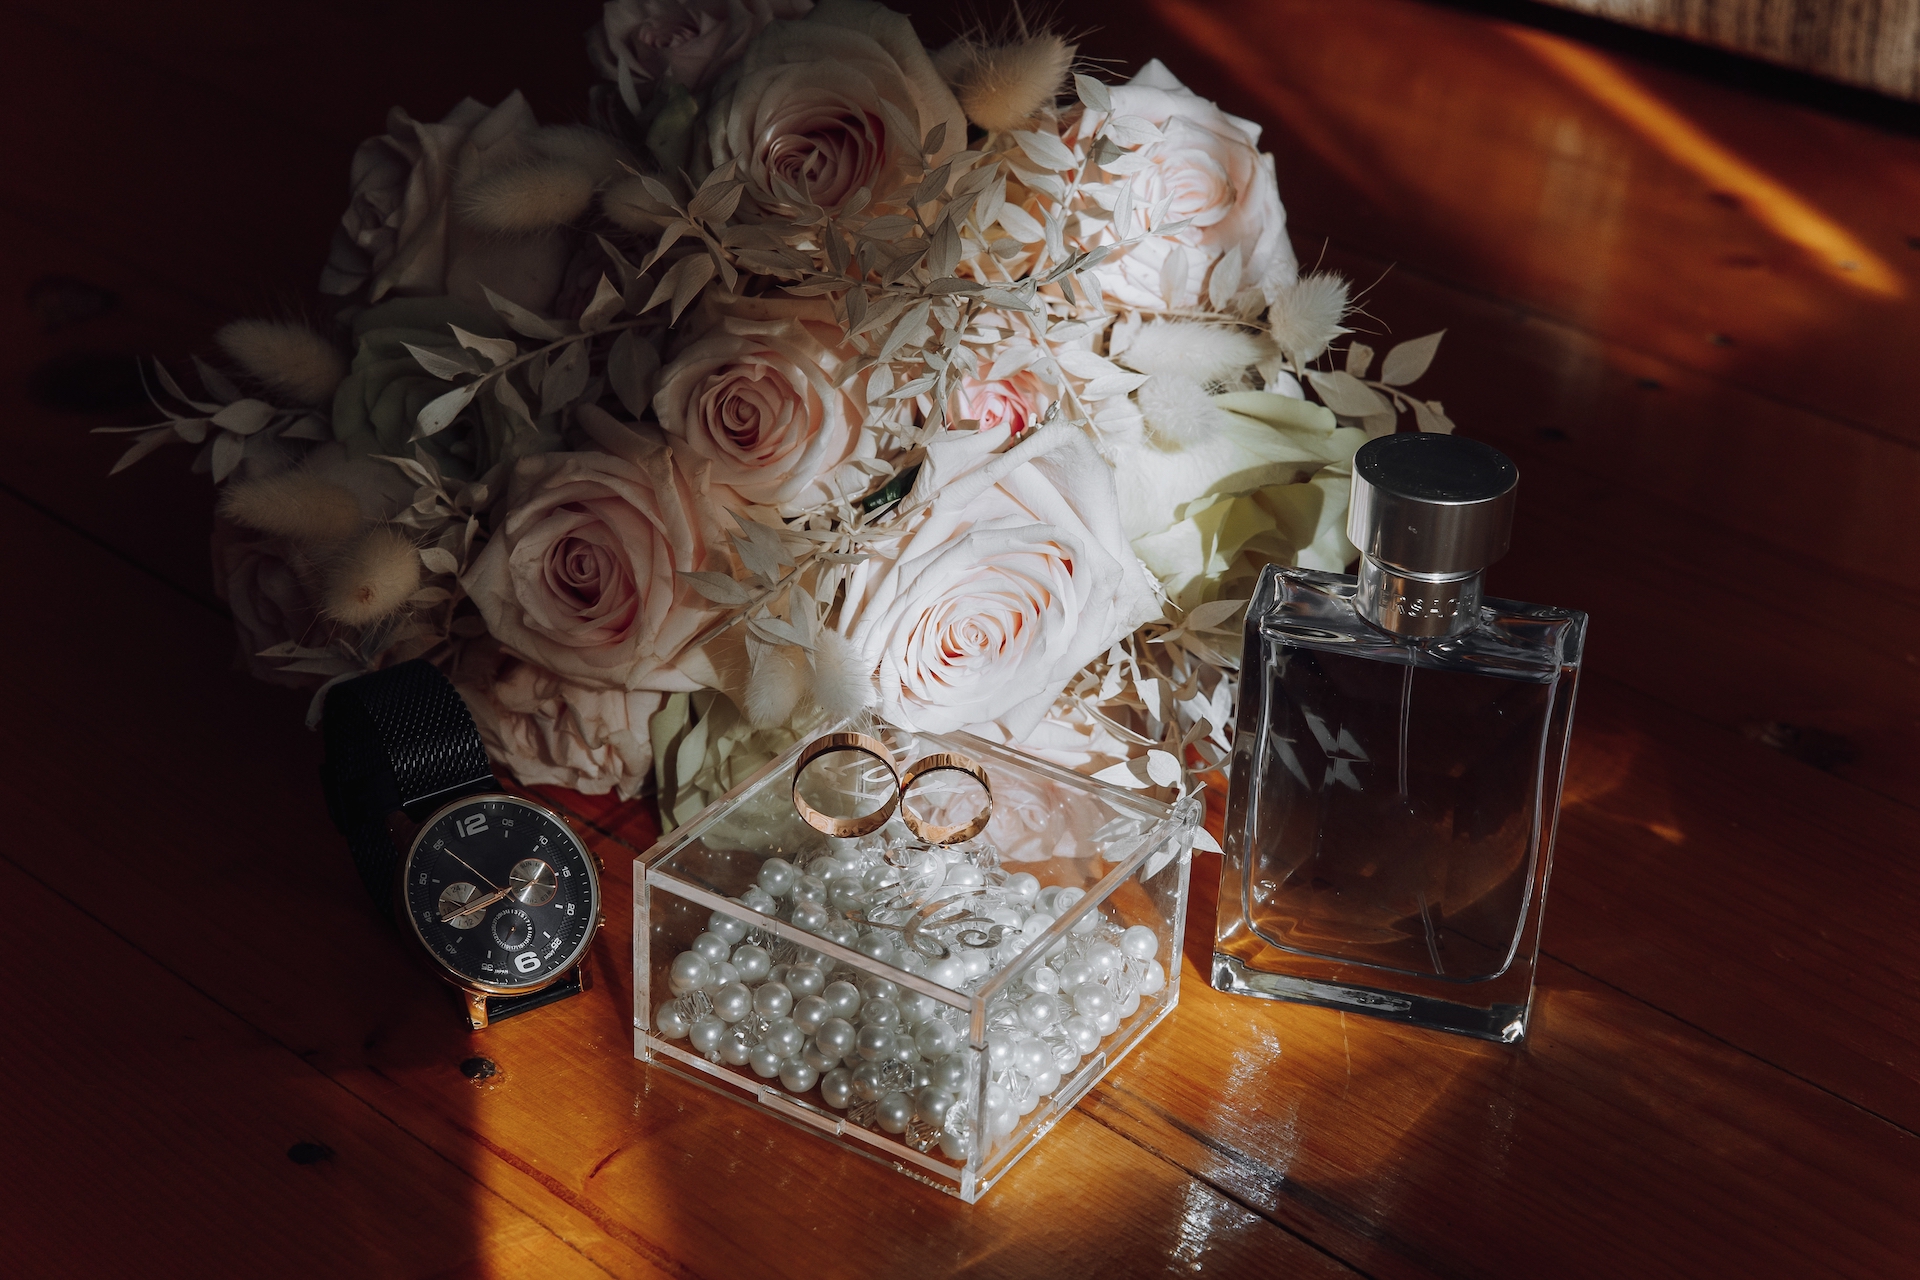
(1397, 759)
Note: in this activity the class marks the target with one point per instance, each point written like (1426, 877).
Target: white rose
(582, 573)
(547, 731)
(761, 398)
(685, 41)
(401, 234)
(1012, 579)
(803, 110)
(1209, 169)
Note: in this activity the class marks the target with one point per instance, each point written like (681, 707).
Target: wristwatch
(496, 889)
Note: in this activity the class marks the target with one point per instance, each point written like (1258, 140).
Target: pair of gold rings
(903, 782)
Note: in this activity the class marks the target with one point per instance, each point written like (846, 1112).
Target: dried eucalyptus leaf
(244, 417)
(495, 351)
(604, 307)
(1093, 95)
(1224, 283)
(1045, 149)
(1409, 359)
(1359, 359)
(943, 254)
(565, 380)
(935, 139)
(1346, 395)
(228, 449)
(435, 416)
(521, 320)
(1021, 225)
(1428, 417)
(444, 367)
(436, 560)
(145, 445)
(717, 587)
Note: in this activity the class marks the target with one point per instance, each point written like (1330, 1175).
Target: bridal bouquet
(820, 371)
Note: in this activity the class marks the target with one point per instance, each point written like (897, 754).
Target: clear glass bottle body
(1393, 803)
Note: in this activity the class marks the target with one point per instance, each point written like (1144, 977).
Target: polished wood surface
(1687, 312)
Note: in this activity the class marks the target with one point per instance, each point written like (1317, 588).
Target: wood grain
(1722, 1077)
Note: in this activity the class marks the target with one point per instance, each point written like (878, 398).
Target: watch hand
(478, 904)
(476, 875)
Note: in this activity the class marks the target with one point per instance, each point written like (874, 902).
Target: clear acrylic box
(937, 1008)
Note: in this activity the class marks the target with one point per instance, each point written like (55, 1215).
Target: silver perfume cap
(1429, 513)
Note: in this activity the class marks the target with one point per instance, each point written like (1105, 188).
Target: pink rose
(547, 731)
(1015, 403)
(759, 398)
(401, 234)
(803, 110)
(581, 575)
(1013, 578)
(1208, 167)
(685, 41)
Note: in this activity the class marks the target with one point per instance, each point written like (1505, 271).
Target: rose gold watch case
(473, 986)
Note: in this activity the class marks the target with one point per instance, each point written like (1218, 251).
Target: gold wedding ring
(930, 764)
(867, 823)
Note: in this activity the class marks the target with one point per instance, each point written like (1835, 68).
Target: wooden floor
(1689, 314)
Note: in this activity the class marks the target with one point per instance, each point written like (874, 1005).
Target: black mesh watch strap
(399, 739)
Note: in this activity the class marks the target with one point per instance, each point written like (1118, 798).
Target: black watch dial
(501, 892)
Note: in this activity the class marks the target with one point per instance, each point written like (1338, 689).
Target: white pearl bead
(951, 1072)
(1154, 980)
(950, 972)
(765, 1061)
(880, 1013)
(843, 998)
(956, 1146)
(874, 987)
(809, 1013)
(752, 962)
(772, 1000)
(1038, 1012)
(758, 899)
(931, 1105)
(819, 1061)
(1046, 1081)
(732, 1002)
(836, 1088)
(706, 1033)
(797, 1076)
(916, 1008)
(1075, 973)
(836, 1036)
(1036, 924)
(1086, 924)
(1021, 887)
(1140, 943)
(1065, 1057)
(1084, 1032)
(778, 877)
(844, 932)
(975, 963)
(670, 1022)
(1044, 900)
(962, 873)
(710, 947)
(724, 973)
(1043, 979)
(1064, 901)
(1107, 1020)
(688, 973)
(875, 946)
(785, 1038)
(997, 1098)
(1091, 999)
(734, 1049)
(910, 960)
(875, 1043)
(810, 889)
(1000, 1052)
(730, 928)
(811, 916)
(867, 1083)
(936, 1039)
(1129, 1006)
(895, 1110)
(1002, 1123)
(1105, 958)
(1031, 1056)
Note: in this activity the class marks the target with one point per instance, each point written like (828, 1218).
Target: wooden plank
(1642, 206)
(148, 1126)
(218, 769)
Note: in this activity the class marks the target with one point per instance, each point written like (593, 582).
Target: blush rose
(547, 731)
(582, 574)
(802, 112)
(1015, 576)
(759, 398)
(1210, 172)
(688, 42)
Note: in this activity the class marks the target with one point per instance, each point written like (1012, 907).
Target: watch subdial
(513, 929)
(533, 883)
(453, 905)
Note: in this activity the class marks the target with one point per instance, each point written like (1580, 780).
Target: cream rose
(581, 575)
(758, 397)
(686, 41)
(802, 110)
(1014, 577)
(549, 732)
(400, 234)
(1208, 168)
